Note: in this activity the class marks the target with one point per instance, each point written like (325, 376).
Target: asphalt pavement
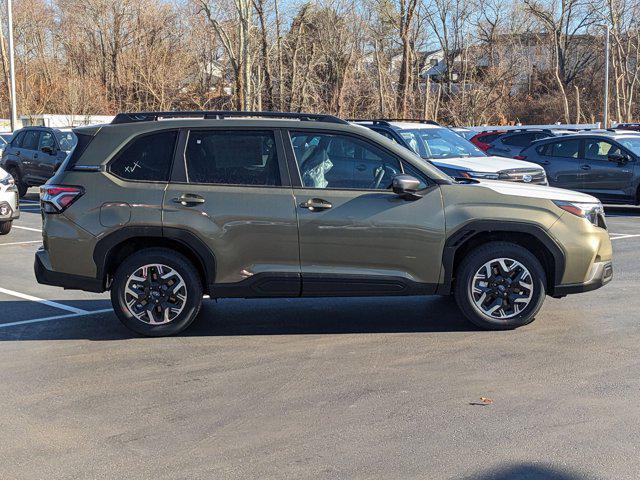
(388, 388)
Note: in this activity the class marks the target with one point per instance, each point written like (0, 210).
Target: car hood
(536, 191)
(489, 164)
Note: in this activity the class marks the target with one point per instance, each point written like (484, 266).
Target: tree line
(456, 61)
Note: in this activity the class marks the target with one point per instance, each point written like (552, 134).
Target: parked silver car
(9, 202)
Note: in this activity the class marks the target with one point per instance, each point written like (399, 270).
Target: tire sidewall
(489, 252)
(5, 227)
(171, 259)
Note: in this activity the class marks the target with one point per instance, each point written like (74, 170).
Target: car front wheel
(5, 227)
(500, 286)
(156, 292)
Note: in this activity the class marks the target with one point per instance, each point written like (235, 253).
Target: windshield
(632, 143)
(436, 143)
(67, 140)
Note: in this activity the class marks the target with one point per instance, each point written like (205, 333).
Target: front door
(231, 189)
(607, 180)
(356, 236)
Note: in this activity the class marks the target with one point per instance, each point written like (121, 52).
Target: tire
(5, 227)
(22, 187)
(148, 321)
(523, 283)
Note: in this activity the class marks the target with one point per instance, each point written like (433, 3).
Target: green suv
(163, 208)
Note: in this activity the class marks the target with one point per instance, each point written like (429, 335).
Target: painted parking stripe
(620, 237)
(28, 228)
(57, 317)
(20, 243)
(42, 301)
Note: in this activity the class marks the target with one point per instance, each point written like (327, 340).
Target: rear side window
(232, 157)
(148, 158)
(30, 140)
(519, 140)
(490, 137)
(76, 152)
(17, 141)
(566, 149)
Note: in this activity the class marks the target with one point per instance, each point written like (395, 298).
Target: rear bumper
(601, 274)
(46, 276)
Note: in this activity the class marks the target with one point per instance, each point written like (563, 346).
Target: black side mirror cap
(406, 186)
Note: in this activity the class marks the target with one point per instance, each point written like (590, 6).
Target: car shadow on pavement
(260, 317)
(529, 471)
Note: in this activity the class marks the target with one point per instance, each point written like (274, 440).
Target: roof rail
(387, 121)
(221, 114)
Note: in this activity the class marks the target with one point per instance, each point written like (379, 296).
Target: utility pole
(12, 69)
(606, 80)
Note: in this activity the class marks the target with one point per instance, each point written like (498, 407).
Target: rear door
(356, 236)
(605, 179)
(29, 156)
(561, 161)
(230, 187)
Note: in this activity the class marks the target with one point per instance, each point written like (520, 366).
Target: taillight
(57, 198)
(520, 157)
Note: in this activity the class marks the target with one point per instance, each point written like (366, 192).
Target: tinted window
(82, 143)
(232, 158)
(66, 140)
(519, 140)
(30, 140)
(340, 161)
(147, 158)
(599, 150)
(490, 137)
(566, 149)
(387, 134)
(47, 141)
(17, 141)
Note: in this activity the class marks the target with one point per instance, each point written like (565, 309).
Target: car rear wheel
(5, 227)
(156, 292)
(500, 286)
(22, 187)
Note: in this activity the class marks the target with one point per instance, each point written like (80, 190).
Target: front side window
(232, 157)
(632, 143)
(148, 158)
(599, 150)
(47, 141)
(519, 140)
(17, 141)
(342, 162)
(30, 140)
(438, 143)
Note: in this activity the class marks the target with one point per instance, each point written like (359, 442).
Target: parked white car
(453, 154)
(9, 202)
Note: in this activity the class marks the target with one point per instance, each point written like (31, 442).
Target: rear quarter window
(76, 152)
(147, 158)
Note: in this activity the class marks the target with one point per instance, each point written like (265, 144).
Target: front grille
(524, 175)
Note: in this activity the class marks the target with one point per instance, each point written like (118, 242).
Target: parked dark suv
(510, 144)
(161, 210)
(603, 164)
(34, 154)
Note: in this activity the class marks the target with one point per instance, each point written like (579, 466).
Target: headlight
(485, 175)
(8, 180)
(594, 212)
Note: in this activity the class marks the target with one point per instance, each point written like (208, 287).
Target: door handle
(545, 162)
(18, 153)
(316, 204)
(188, 199)
(361, 167)
(585, 167)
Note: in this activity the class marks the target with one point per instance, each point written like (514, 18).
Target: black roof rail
(387, 121)
(221, 114)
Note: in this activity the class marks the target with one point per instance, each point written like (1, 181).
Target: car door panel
(251, 228)
(367, 241)
(605, 179)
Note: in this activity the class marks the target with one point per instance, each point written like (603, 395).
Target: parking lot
(318, 388)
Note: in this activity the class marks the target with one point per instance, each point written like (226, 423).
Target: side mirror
(48, 150)
(618, 158)
(406, 186)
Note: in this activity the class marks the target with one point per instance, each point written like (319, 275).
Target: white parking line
(43, 301)
(28, 228)
(57, 317)
(620, 236)
(19, 243)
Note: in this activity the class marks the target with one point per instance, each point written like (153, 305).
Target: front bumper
(601, 274)
(45, 275)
